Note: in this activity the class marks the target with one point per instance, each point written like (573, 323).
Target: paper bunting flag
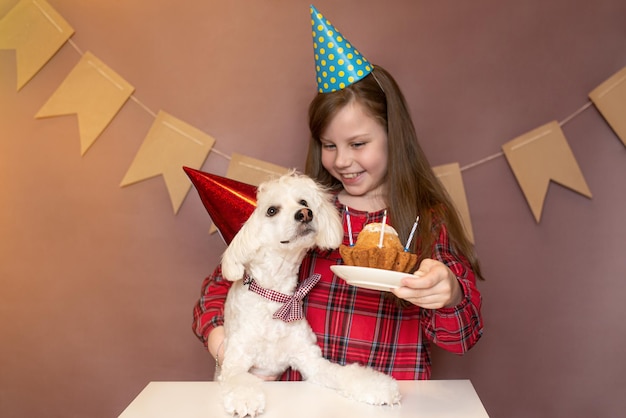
(36, 32)
(228, 202)
(542, 155)
(450, 176)
(170, 144)
(93, 92)
(610, 99)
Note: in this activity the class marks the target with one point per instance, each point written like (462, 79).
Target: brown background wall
(97, 282)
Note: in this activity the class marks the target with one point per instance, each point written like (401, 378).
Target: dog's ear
(239, 252)
(330, 234)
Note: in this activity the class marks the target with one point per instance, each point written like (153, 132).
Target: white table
(428, 398)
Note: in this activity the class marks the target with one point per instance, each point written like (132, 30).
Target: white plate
(369, 278)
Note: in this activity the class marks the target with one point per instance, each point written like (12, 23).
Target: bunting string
(576, 113)
(482, 161)
(37, 31)
(501, 154)
(145, 107)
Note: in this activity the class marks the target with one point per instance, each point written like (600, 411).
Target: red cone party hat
(229, 202)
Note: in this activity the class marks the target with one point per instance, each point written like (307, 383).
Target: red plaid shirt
(355, 325)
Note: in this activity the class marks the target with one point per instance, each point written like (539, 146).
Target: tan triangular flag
(610, 99)
(92, 91)
(251, 171)
(36, 31)
(450, 176)
(170, 145)
(542, 155)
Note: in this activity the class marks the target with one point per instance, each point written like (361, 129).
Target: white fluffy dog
(293, 215)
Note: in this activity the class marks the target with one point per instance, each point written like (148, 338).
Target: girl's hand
(215, 344)
(432, 286)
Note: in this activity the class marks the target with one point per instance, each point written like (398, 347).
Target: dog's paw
(232, 271)
(385, 392)
(243, 396)
(370, 386)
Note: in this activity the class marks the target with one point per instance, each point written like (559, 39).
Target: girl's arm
(445, 288)
(456, 328)
(208, 313)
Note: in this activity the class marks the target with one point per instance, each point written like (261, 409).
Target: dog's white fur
(270, 247)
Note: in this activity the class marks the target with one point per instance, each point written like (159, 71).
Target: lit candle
(349, 227)
(382, 230)
(408, 242)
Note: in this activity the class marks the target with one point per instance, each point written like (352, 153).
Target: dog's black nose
(304, 215)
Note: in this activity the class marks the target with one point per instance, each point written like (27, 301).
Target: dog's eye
(304, 203)
(271, 211)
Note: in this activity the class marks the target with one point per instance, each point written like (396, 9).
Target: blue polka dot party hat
(337, 62)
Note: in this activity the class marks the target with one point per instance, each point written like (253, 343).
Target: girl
(363, 146)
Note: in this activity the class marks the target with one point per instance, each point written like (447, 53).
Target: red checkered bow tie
(292, 305)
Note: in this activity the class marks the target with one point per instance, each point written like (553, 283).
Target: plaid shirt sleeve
(455, 329)
(208, 313)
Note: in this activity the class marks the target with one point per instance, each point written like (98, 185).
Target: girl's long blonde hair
(411, 186)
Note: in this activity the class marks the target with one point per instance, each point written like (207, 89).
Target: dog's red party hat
(229, 202)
